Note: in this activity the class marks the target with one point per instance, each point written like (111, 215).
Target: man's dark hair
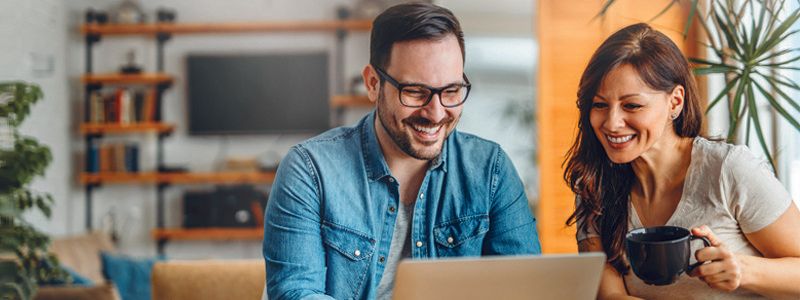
(410, 21)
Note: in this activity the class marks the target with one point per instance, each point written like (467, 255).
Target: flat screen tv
(258, 93)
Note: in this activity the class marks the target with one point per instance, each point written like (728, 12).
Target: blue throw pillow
(130, 275)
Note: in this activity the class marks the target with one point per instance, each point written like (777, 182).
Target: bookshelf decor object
(129, 103)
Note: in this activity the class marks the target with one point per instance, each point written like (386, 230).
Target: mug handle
(707, 244)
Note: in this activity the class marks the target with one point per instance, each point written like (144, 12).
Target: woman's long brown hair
(603, 186)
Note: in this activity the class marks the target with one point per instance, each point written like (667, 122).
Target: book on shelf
(123, 106)
(93, 158)
(132, 158)
(113, 158)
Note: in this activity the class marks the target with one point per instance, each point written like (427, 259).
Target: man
(348, 205)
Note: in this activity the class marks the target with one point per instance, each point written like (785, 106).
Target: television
(258, 93)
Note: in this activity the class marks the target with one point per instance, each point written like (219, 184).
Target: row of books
(123, 106)
(116, 157)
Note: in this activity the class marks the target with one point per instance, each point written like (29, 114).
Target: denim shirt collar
(373, 156)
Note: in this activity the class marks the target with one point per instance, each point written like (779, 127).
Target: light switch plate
(41, 64)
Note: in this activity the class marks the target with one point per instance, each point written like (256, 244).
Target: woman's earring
(674, 116)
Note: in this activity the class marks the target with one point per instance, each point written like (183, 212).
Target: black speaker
(235, 206)
(197, 208)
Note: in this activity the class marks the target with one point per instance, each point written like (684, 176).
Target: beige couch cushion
(104, 291)
(81, 253)
(208, 279)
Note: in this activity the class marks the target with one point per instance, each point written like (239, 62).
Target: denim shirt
(332, 209)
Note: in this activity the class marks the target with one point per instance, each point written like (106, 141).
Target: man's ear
(372, 82)
(676, 99)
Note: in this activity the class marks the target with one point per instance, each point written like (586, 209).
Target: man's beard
(403, 139)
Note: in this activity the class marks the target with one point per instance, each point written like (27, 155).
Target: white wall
(33, 49)
(48, 29)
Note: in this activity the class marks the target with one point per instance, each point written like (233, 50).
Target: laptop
(568, 276)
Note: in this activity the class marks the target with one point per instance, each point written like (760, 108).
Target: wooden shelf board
(351, 101)
(119, 177)
(195, 28)
(178, 178)
(118, 78)
(101, 128)
(255, 233)
(218, 177)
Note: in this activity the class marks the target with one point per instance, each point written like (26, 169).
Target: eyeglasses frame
(434, 91)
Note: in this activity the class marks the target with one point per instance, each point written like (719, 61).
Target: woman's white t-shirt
(731, 191)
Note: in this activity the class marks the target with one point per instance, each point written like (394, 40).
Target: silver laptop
(569, 276)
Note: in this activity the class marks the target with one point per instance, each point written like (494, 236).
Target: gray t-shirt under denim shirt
(399, 249)
(731, 191)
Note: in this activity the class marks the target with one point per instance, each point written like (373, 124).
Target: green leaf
(747, 131)
(723, 93)
(726, 28)
(689, 20)
(747, 45)
(713, 70)
(759, 132)
(777, 106)
(702, 61)
(758, 28)
(780, 63)
(776, 54)
(774, 13)
(733, 116)
(20, 97)
(11, 290)
(782, 94)
(8, 206)
(604, 9)
(44, 206)
(778, 34)
(788, 82)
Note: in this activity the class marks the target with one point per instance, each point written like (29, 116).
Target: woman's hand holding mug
(722, 268)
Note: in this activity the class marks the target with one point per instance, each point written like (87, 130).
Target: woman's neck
(662, 169)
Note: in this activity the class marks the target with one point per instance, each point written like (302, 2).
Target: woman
(638, 162)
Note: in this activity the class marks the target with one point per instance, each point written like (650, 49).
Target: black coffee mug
(659, 255)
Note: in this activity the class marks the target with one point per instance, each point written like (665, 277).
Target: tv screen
(254, 94)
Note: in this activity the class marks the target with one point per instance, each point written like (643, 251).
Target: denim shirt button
(382, 259)
(391, 179)
(450, 240)
(357, 253)
(419, 244)
(391, 209)
(422, 195)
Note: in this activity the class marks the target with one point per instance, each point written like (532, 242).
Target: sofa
(174, 279)
(208, 279)
(81, 253)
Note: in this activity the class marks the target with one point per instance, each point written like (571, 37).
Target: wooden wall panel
(567, 38)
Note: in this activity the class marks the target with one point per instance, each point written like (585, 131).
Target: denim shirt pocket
(349, 253)
(462, 236)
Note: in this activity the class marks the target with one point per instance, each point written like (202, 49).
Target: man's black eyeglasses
(419, 95)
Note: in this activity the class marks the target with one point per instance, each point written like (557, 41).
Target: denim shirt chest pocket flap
(352, 244)
(454, 233)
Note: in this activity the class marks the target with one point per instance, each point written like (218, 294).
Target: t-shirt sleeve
(590, 230)
(755, 197)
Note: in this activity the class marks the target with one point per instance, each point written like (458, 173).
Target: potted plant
(24, 260)
(747, 39)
